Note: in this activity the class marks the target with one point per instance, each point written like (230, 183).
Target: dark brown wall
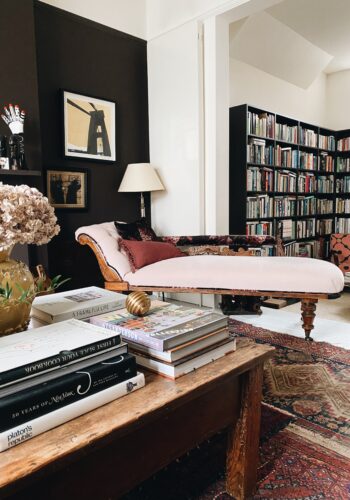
(88, 58)
(18, 74)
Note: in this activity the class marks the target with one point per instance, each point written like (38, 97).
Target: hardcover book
(19, 407)
(164, 327)
(78, 304)
(177, 369)
(35, 426)
(181, 351)
(26, 354)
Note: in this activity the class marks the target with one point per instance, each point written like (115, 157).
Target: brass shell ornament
(138, 303)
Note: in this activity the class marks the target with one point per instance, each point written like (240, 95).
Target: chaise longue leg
(308, 308)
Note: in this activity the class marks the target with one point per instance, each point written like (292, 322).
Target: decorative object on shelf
(138, 303)
(139, 178)
(67, 188)
(14, 117)
(89, 127)
(25, 218)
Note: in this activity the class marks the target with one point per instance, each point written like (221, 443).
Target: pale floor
(332, 322)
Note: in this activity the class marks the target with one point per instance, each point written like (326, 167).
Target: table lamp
(140, 177)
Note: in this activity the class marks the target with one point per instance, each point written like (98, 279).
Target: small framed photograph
(89, 127)
(67, 189)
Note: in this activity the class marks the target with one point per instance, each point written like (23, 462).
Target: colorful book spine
(17, 408)
(35, 426)
(61, 359)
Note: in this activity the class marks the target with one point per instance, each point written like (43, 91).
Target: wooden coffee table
(105, 453)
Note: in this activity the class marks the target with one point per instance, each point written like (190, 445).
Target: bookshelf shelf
(251, 132)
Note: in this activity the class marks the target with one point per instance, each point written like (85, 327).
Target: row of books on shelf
(325, 184)
(261, 228)
(308, 228)
(324, 206)
(308, 137)
(313, 249)
(287, 157)
(342, 225)
(263, 124)
(343, 144)
(307, 205)
(343, 164)
(288, 133)
(260, 152)
(342, 205)
(259, 179)
(259, 206)
(326, 142)
(264, 179)
(285, 206)
(343, 185)
(290, 206)
(285, 181)
(52, 374)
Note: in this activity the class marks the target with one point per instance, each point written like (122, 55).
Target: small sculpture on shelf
(14, 117)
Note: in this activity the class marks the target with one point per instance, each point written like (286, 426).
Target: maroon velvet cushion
(143, 253)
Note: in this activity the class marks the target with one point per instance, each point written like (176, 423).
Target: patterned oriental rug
(305, 433)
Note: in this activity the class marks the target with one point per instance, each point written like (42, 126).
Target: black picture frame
(89, 127)
(67, 189)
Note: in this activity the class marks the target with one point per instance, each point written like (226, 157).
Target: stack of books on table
(55, 373)
(172, 340)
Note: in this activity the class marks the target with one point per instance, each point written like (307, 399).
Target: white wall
(216, 99)
(175, 130)
(338, 100)
(128, 16)
(253, 86)
(164, 15)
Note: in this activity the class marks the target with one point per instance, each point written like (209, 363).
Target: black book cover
(60, 359)
(25, 405)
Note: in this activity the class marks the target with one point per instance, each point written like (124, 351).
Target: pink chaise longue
(277, 276)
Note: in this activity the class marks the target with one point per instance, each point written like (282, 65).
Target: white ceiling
(295, 40)
(325, 23)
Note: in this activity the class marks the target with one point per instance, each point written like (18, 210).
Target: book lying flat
(78, 304)
(180, 352)
(162, 328)
(26, 354)
(33, 427)
(46, 377)
(16, 408)
(173, 371)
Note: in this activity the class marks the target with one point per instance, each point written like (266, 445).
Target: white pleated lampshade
(140, 177)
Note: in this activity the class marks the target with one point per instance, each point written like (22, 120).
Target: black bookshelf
(305, 140)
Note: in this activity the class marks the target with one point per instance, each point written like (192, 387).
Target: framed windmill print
(89, 127)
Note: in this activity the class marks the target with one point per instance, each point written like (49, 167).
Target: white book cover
(79, 304)
(173, 372)
(41, 349)
(34, 427)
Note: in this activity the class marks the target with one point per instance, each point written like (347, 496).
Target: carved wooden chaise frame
(114, 282)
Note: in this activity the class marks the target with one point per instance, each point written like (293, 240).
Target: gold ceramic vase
(15, 309)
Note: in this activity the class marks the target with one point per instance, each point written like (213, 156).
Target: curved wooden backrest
(107, 271)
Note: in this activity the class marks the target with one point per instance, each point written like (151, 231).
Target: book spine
(36, 426)
(134, 336)
(15, 409)
(61, 359)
